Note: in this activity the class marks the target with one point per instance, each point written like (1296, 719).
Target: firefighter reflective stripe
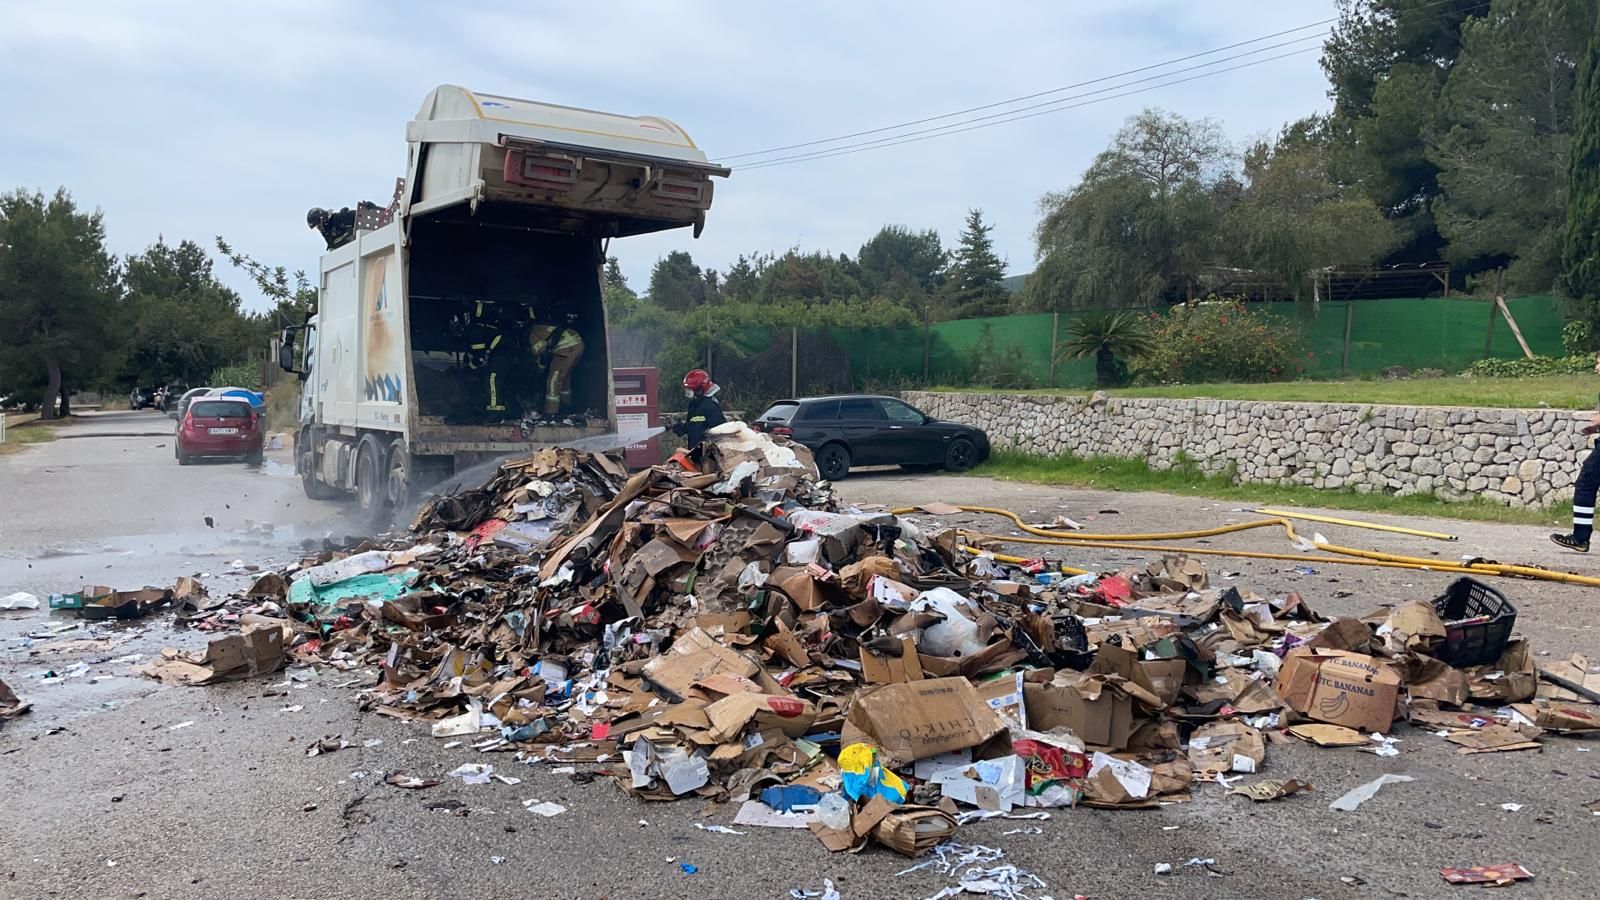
(477, 312)
(558, 381)
(697, 418)
(541, 336)
(494, 393)
(479, 347)
(496, 342)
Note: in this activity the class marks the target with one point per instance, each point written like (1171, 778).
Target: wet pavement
(107, 504)
(115, 786)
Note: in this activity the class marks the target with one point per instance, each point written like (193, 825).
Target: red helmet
(698, 381)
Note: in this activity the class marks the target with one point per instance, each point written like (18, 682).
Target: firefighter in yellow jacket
(556, 349)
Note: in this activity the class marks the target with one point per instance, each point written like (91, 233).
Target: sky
(197, 119)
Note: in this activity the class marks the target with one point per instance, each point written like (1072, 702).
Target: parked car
(176, 410)
(220, 427)
(864, 430)
(254, 398)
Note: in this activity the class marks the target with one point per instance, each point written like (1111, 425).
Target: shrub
(1577, 337)
(999, 366)
(245, 375)
(1524, 367)
(1221, 341)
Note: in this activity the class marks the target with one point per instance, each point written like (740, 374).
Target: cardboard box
(1348, 689)
(695, 656)
(892, 669)
(1004, 696)
(991, 784)
(910, 721)
(1098, 713)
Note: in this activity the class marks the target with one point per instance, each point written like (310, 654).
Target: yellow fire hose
(1371, 526)
(1050, 537)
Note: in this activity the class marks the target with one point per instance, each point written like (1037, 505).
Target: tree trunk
(47, 406)
(66, 401)
(1105, 368)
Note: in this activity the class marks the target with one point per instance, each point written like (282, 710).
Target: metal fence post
(927, 337)
(2, 428)
(1349, 320)
(794, 361)
(1055, 334)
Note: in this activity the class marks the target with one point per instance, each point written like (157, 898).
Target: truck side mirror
(286, 352)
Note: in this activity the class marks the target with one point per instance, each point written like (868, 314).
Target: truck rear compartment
(483, 289)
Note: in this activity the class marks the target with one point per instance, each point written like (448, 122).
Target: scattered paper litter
(1511, 807)
(965, 863)
(756, 814)
(719, 829)
(545, 808)
(19, 600)
(295, 708)
(472, 773)
(1385, 745)
(179, 725)
(827, 893)
(1359, 795)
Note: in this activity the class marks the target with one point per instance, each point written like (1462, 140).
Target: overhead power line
(1058, 90)
(1049, 105)
(907, 139)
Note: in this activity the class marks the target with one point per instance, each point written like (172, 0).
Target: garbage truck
(465, 320)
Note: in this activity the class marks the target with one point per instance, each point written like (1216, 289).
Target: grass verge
(1557, 391)
(1116, 474)
(26, 433)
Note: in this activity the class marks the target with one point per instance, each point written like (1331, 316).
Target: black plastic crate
(1477, 623)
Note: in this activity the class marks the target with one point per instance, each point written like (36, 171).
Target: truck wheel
(833, 462)
(960, 456)
(315, 490)
(370, 490)
(398, 484)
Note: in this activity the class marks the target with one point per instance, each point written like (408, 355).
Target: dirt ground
(117, 787)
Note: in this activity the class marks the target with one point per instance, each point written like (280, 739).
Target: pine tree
(974, 285)
(1581, 256)
(614, 276)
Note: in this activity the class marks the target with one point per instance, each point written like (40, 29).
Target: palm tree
(1106, 336)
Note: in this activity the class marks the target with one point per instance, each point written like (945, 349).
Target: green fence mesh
(1014, 351)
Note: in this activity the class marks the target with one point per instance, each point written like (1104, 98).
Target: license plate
(224, 431)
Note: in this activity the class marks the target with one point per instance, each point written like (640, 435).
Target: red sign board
(638, 409)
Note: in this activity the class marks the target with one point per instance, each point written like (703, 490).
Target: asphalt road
(108, 792)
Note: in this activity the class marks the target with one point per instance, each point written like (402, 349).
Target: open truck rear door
(589, 172)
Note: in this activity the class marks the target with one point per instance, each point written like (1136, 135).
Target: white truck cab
(465, 320)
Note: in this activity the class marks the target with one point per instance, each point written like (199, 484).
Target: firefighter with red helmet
(705, 411)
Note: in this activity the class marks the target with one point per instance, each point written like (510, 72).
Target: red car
(219, 427)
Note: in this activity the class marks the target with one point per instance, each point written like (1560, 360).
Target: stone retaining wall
(1524, 457)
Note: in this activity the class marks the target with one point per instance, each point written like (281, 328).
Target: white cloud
(193, 119)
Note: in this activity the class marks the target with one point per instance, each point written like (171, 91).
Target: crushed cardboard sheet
(738, 634)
